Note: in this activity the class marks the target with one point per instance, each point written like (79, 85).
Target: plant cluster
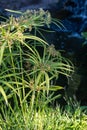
(47, 119)
(28, 66)
(17, 48)
(12, 41)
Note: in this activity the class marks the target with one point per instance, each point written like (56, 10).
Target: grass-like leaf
(2, 48)
(3, 94)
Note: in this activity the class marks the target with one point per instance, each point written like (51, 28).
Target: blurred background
(18, 4)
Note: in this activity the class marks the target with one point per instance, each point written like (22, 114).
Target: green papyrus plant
(12, 38)
(18, 47)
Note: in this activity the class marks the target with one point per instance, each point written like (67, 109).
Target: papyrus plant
(19, 48)
(45, 65)
(13, 37)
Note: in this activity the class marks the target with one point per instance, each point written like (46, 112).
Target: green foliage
(26, 74)
(17, 49)
(44, 68)
(13, 31)
(3, 93)
(12, 40)
(46, 119)
(84, 34)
